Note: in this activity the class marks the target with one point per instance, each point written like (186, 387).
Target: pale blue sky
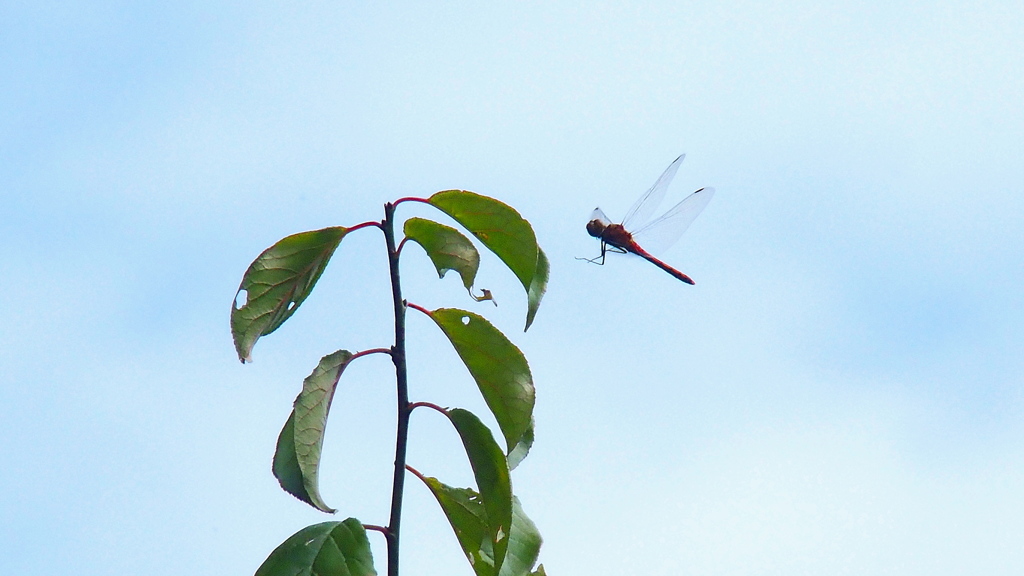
(840, 393)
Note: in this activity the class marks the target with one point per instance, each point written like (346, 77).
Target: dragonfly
(656, 235)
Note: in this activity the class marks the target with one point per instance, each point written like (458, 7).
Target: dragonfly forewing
(642, 210)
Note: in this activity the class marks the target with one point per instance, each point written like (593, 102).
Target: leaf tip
(538, 286)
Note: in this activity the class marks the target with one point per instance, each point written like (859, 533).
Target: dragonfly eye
(595, 227)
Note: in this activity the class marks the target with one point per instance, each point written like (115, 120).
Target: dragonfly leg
(605, 248)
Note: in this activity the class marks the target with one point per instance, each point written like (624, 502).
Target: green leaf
(523, 544)
(518, 453)
(538, 286)
(466, 514)
(540, 571)
(326, 549)
(299, 446)
(503, 231)
(499, 368)
(447, 248)
(468, 517)
(277, 283)
(492, 477)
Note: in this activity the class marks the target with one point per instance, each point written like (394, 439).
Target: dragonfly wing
(662, 233)
(641, 211)
(597, 214)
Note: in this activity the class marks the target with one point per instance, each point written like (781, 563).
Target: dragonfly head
(595, 228)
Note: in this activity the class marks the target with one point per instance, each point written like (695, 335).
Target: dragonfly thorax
(595, 228)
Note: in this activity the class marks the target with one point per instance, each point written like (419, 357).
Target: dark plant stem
(402, 384)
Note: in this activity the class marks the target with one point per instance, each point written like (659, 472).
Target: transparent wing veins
(665, 231)
(641, 211)
(597, 214)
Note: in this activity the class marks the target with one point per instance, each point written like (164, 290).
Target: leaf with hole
(503, 231)
(498, 367)
(326, 549)
(468, 517)
(300, 444)
(447, 248)
(492, 477)
(277, 283)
